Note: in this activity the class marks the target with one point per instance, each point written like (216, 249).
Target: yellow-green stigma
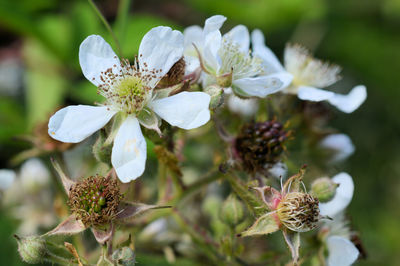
(130, 86)
(126, 91)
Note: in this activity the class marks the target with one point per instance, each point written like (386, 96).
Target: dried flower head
(298, 211)
(259, 144)
(95, 200)
(292, 210)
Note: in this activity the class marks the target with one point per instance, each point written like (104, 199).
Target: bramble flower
(336, 233)
(309, 75)
(227, 60)
(129, 92)
(340, 144)
(292, 210)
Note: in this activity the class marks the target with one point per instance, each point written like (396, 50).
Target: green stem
(253, 203)
(122, 18)
(107, 25)
(162, 180)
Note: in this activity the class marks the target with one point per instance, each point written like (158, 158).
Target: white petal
(244, 107)
(129, 151)
(76, 122)
(270, 61)
(7, 178)
(186, 110)
(342, 252)
(96, 56)
(350, 102)
(314, 94)
(212, 43)
(341, 144)
(192, 34)
(241, 36)
(213, 23)
(342, 198)
(263, 85)
(160, 49)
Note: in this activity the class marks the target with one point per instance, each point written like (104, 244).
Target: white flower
(129, 91)
(341, 144)
(341, 251)
(202, 39)
(309, 75)
(7, 178)
(227, 60)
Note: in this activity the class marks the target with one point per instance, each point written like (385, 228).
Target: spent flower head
(292, 210)
(309, 74)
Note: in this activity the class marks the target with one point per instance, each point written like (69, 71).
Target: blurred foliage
(362, 36)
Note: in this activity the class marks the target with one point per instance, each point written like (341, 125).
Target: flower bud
(324, 189)
(259, 144)
(231, 212)
(102, 152)
(217, 96)
(31, 249)
(124, 257)
(225, 80)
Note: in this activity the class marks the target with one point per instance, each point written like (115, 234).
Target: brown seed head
(94, 200)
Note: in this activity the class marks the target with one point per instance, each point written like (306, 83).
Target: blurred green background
(39, 49)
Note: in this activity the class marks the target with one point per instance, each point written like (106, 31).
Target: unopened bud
(124, 257)
(31, 249)
(324, 189)
(102, 151)
(217, 96)
(231, 211)
(225, 80)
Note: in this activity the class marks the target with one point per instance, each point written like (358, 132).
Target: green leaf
(264, 225)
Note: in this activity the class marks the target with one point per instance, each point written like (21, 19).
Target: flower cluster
(184, 80)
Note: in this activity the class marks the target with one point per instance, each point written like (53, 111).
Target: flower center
(241, 63)
(128, 90)
(299, 211)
